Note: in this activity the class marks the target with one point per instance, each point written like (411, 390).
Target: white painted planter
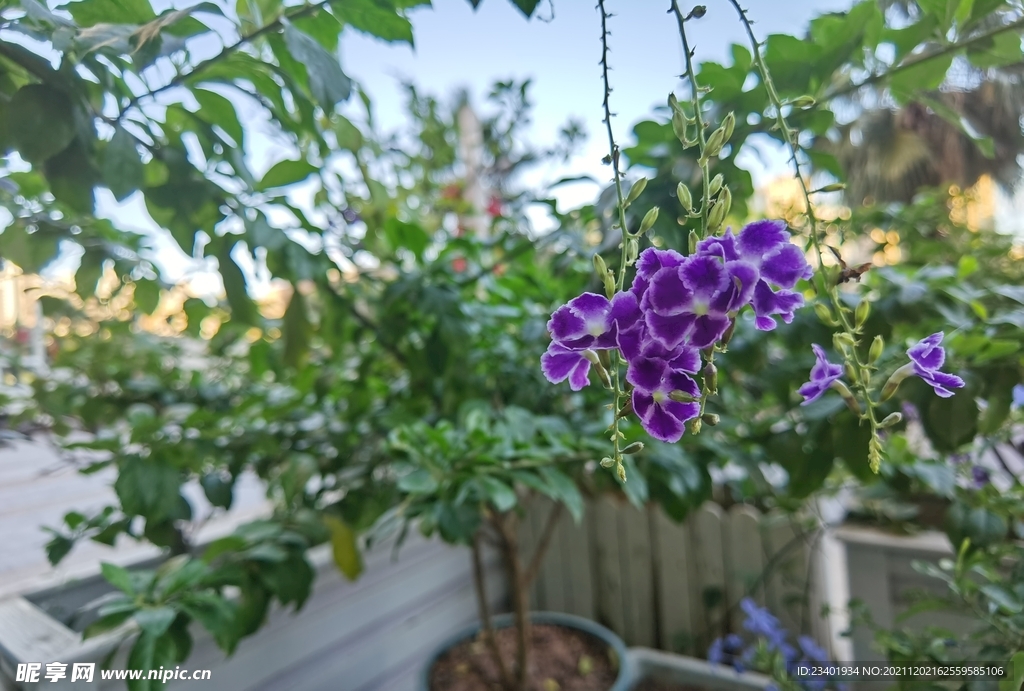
(875, 567)
(679, 669)
(375, 633)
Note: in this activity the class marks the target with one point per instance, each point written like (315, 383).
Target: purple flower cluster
(676, 307)
(771, 637)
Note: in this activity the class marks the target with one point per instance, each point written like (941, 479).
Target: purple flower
(560, 363)
(927, 356)
(981, 476)
(761, 622)
(1018, 397)
(351, 215)
(729, 646)
(663, 418)
(811, 650)
(822, 375)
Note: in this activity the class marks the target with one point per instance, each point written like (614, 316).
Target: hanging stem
(861, 368)
(613, 155)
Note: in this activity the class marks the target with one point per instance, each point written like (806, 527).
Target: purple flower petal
(625, 310)
(786, 266)
(669, 331)
(723, 247)
(593, 310)
(565, 325)
(767, 302)
(941, 382)
(679, 381)
(927, 353)
(704, 276)
(685, 360)
(646, 373)
(631, 342)
(661, 424)
(668, 295)
(760, 238)
(707, 330)
(651, 261)
(742, 278)
(559, 363)
(823, 373)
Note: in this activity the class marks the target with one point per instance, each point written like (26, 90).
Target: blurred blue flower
(761, 622)
(1018, 396)
(812, 651)
(981, 476)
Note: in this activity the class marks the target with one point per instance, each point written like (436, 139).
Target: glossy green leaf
(40, 122)
(328, 84)
(376, 19)
(498, 493)
(147, 487)
(156, 620)
(286, 173)
(122, 167)
(91, 12)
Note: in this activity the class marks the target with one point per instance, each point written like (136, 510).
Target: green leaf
(147, 296)
(218, 490)
(57, 548)
(72, 175)
(376, 18)
(296, 331)
(1002, 598)
(147, 487)
(1015, 679)
(156, 620)
(122, 167)
(951, 422)
(418, 482)
(1003, 49)
(286, 173)
(498, 493)
(328, 84)
(107, 623)
(218, 110)
(980, 525)
(40, 122)
(410, 236)
(562, 487)
(344, 548)
(91, 12)
(118, 577)
(924, 76)
(30, 251)
(243, 310)
(527, 7)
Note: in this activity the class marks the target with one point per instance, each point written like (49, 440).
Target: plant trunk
(485, 613)
(505, 523)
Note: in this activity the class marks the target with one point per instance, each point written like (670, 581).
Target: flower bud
(624, 410)
(716, 184)
(599, 266)
(847, 395)
(711, 377)
(698, 11)
(648, 221)
(725, 199)
(632, 251)
(861, 315)
(890, 420)
(825, 314)
(877, 346)
(831, 187)
(875, 454)
(715, 143)
(710, 419)
(635, 447)
(609, 284)
(729, 124)
(595, 362)
(683, 397)
(607, 462)
(716, 217)
(727, 336)
(621, 471)
(895, 380)
(803, 102)
(851, 373)
(636, 190)
(679, 127)
(685, 198)
(693, 240)
(605, 358)
(695, 426)
(842, 341)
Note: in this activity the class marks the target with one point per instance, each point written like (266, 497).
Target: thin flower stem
(691, 76)
(613, 153)
(860, 367)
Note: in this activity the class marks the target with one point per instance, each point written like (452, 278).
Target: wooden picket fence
(677, 586)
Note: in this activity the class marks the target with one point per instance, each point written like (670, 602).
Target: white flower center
(659, 396)
(595, 327)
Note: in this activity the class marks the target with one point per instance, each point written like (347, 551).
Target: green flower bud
(685, 198)
(803, 102)
(683, 397)
(695, 426)
(635, 447)
(693, 240)
(710, 419)
(715, 143)
(609, 284)
(861, 315)
(851, 373)
(729, 124)
(825, 314)
(831, 187)
(842, 341)
(716, 217)
(599, 266)
(636, 190)
(727, 336)
(890, 420)
(648, 221)
(894, 381)
(716, 184)
(605, 358)
(607, 462)
(595, 362)
(621, 471)
(877, 346)
(679, 128)
(632, 251)
(624, 410)
(711, 378)
(725, 199)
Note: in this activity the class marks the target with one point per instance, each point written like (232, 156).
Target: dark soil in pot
(574, 660)
(657, 685)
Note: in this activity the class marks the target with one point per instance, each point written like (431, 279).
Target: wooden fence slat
(574, 544)
(744, 559)
(554, 579)
(638, 596)
(788, 581)
(672, 561)
(611, 610)
(527, 543)
(707, 536)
